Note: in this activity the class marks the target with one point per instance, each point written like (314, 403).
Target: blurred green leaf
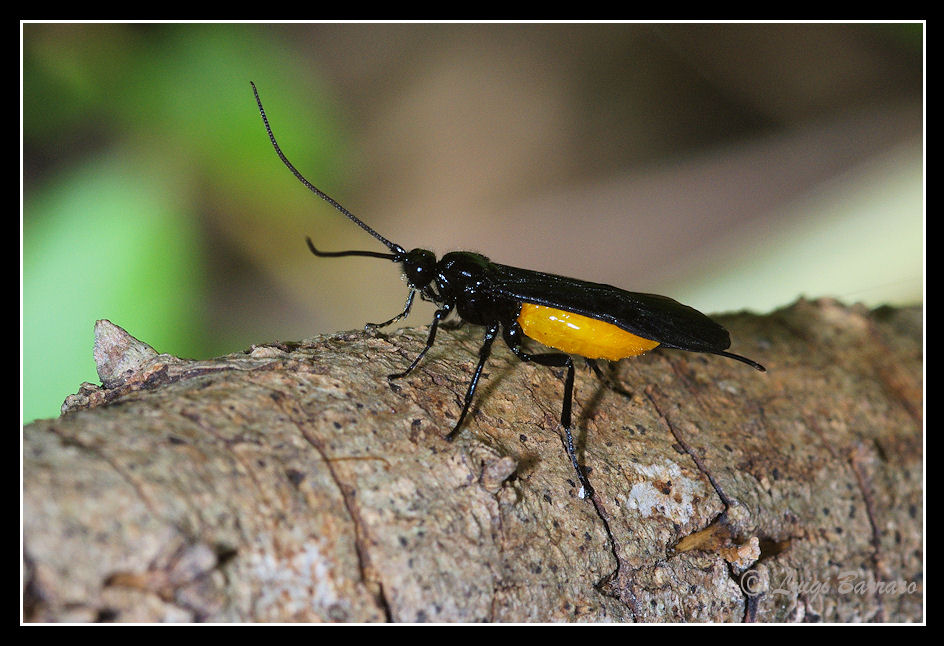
(143, 146)
(109, 240)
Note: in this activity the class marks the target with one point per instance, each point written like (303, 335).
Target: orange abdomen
(581, 335)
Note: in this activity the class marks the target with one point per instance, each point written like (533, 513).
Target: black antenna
(395, 248)
(339, 254)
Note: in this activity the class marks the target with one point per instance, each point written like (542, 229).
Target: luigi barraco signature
(850, 582)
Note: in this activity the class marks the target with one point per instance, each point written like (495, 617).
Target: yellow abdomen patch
(581, 335)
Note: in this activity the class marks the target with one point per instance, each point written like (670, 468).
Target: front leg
(404, 313)
(512, 336)
(441, 313)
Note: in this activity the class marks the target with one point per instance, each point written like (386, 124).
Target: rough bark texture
(292, 482)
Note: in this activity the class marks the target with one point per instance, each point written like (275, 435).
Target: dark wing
(650, 316)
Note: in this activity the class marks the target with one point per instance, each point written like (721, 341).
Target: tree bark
(293, 482)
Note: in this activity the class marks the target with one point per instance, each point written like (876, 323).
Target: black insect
(573, 316)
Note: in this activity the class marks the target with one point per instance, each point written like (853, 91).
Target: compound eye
(419, 266)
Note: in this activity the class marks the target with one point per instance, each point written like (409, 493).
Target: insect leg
(440, 314)
(404, 313)
(484, 352)
(608, 380)
(512, 337)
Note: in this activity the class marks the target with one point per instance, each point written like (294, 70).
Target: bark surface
(293, 482)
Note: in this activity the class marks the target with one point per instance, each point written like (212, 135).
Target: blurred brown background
(726, 165)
